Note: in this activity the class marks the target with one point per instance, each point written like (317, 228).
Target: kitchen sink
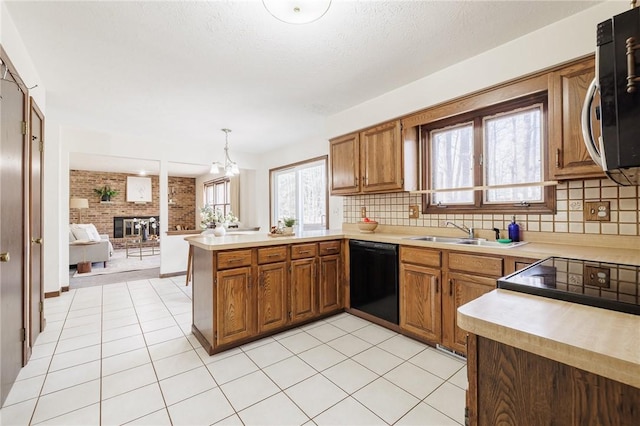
(486, 243)
(436, 239)
(467, 241)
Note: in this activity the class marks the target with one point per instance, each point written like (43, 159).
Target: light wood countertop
(238, 240)
(534, 249)
(597, 340)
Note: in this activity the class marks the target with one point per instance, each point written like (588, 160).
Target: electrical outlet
(363, 212)
(597, 211)
(597, 277)
(414, 213)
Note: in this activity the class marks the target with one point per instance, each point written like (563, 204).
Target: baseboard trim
(64, 288)
(173, 274)
(51, 294)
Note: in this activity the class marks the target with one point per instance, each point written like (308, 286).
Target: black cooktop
(604, 285)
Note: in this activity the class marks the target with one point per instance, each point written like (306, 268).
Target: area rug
(120, 263)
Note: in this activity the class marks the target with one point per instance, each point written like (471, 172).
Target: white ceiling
(180, 71)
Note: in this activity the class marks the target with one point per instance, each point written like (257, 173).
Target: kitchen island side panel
(512, 386)
(204, 297)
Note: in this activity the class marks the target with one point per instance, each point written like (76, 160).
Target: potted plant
(105, 193)
(288, 224)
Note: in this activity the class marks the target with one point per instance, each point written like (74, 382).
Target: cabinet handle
(273, 255)
(557, 157)
(5, 257)
(355, 181)
(331, 248)
(235, 260)
(450, 287)
(304, 251)
(632, 79)
(437, 285)
(36, 240)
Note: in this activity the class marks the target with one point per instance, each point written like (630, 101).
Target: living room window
(217, 194)
(488, 160)
(299, 191)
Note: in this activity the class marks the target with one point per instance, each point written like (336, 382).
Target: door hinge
(41, 307)
(24, 127)
(289, 314)
(215, 281)
(23, 334)
(41, 146)
(215, 335)
(402, 181)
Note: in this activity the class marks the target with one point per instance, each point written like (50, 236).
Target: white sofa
(86, 245)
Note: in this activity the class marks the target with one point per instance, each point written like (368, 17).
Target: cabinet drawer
(330, 247)
(234, 259)
(272, 254)
(299, 251)
(421, 256)
(478, 265)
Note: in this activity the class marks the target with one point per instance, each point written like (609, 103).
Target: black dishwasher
(374, 278)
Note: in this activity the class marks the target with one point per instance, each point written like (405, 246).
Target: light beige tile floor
(124, 354)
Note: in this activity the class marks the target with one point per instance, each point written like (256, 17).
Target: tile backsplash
(392, 209)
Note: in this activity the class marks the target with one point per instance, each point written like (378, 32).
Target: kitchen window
(488, 160)
(299, 191)
(217, 194)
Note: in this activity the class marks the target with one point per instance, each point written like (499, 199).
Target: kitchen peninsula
(246, 286)
(251, 285)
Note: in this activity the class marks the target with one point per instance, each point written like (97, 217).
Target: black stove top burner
(603, 285)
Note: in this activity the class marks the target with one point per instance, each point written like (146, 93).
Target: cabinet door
(272, 296)
(303, 289)
(460, 289)
(568, 156)
(234, 306)
(329, 288)
(345, 164)
(420, 301)
(381, 158)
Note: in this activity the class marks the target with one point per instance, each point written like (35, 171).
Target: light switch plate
(414, 213)
(597, 211)
(363, 212)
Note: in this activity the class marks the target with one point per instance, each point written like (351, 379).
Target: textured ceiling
(181, 71)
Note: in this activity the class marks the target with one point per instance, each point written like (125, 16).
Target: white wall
(303, 150)
(568, 39)
(560, 42)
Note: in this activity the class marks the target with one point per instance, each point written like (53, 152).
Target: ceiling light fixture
(230, 168)
(297, 11)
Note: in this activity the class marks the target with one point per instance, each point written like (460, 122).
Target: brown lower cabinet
(244, 294)
(303, 289)
(526, 389)
(330, 292)
(234, 290)
(434, 283)
(420, 301)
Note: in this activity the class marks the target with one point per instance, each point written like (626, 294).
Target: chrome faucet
(468, 231)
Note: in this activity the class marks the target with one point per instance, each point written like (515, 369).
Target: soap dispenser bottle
(514, 231)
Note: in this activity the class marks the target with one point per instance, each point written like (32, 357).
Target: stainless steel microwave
(617, 66)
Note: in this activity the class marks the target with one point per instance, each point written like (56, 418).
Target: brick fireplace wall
(101, 214)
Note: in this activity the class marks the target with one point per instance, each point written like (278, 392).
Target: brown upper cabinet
(385, 158)
(379, 159)
(569, 158)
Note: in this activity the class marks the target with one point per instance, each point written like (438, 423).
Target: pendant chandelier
(230, 168)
